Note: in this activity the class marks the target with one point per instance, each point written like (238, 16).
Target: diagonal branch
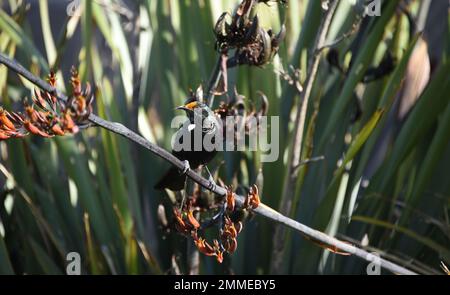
(261, 209)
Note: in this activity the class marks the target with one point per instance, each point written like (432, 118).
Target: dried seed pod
(264, 105)
(276, 41)
(253, 29)
(284, 2)
(220, 29)
(266, 53)
(244, 7)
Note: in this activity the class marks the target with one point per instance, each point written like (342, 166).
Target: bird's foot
(186, 168)
(212, 184)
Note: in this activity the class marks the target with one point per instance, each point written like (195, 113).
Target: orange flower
(52, 99)
(254, 199)
(219, 256)
(47, 116)
(81, 104)
(76, 84)
(238, 225)
(218, 252)
(57, 130)
(232, 246)
(204, 247)
(43, 117)
(230, 199)
(31, 113)
(229, 229)
(5, 120)
(246, 202)
(3, 135)
(35, 130)
(180, 224)
(38, 100)
(52, 78)
(69, 124)
(207, 249)
(192, 220)
(229, 235)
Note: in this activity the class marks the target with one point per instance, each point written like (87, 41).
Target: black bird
(203, 122)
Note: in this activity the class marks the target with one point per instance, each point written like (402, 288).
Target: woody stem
(262, 209)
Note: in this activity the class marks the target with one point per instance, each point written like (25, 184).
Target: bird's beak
(182, 108)
(188, 107)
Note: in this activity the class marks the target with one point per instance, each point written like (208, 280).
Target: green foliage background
(92, 193)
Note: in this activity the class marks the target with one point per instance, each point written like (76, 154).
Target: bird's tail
(172, 180)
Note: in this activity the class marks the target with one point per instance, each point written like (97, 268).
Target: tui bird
(200, 116)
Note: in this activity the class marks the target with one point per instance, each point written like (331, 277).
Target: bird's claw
(212, 185)
(186, 168)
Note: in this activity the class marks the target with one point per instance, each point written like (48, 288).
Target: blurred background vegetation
(385, 187)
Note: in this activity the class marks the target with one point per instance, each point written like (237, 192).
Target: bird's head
(191, 106)
(194, 107)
